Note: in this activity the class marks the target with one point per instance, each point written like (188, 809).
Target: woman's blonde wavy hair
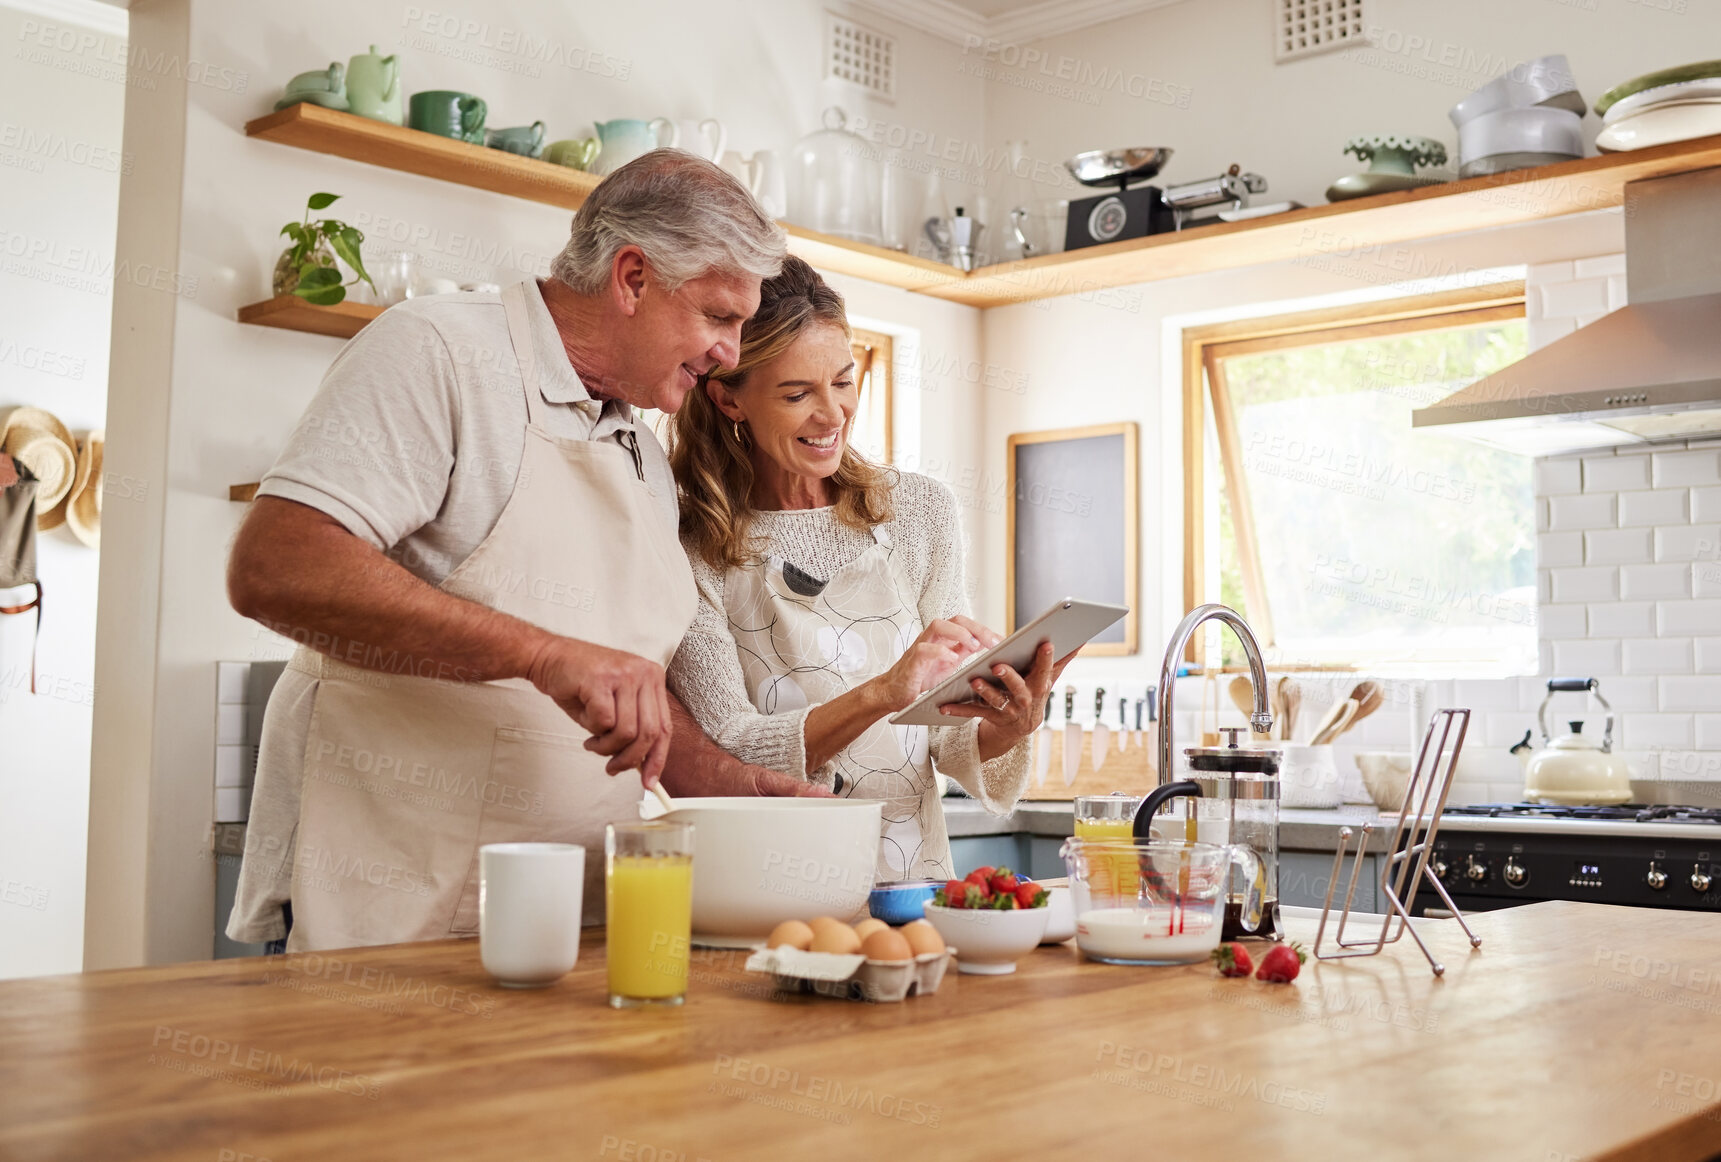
(714, 468)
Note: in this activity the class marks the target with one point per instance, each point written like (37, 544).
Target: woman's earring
(736, 424)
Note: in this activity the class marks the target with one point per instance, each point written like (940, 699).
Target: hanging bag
(18, 545)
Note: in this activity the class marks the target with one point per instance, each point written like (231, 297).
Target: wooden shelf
(292, 313)
(243, 493)
(1343, 232)
(428, 155)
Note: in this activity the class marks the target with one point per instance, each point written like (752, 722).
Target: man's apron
(802, 645)
(407, 775)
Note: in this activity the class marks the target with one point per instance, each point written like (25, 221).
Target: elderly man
(473, 540)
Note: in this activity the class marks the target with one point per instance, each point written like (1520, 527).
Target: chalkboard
(1072, 525)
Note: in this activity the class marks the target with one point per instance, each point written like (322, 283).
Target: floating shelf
(244, 493)
(1345, 232)
(292, 313)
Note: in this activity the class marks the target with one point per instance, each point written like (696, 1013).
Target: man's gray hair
(686, 214)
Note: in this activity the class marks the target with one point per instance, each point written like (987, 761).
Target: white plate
(1660, 125)
(1701, 89)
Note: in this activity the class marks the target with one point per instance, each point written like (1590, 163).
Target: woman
(831, 589)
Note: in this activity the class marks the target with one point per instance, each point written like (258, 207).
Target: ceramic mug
(525, 140)
(448, 113)
(529, 897)
(575, 153)
(373, 86)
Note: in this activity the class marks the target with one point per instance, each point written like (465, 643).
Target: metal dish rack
(1407, 856)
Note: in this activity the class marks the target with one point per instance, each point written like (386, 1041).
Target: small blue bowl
(900, 901)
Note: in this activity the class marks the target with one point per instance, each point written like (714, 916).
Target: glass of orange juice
(1108, 817)
(648, 899)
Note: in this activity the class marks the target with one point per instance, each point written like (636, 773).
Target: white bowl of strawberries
(991, 919)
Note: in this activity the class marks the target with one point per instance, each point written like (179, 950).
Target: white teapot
(1573, 770)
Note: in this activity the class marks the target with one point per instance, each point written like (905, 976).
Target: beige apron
(802, 645)
(406, 775)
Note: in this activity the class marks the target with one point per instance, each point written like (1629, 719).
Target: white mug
(529, 911)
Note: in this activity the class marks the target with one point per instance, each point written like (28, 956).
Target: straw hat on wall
(84, 505)
(43, 444)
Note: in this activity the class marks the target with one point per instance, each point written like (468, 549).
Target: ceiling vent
(1307, 27)
(858, 55)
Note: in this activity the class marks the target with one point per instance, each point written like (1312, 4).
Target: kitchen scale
(1144, 209)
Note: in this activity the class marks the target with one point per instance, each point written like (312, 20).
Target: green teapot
(373, 87)
(325, 87)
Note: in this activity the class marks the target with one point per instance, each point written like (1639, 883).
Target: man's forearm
(301, 574)
(697, 766)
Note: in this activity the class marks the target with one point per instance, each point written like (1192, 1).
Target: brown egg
(835, 936)
(922, 937)
(791, 933)
(868, 926)
(886, 944)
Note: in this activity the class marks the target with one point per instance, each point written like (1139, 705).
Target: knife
(1139, 741)
(1122, 729)
(1072, 738)
(1151, 739)
(1102, 732)
(1043, 746)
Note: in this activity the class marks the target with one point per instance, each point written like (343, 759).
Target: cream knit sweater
(706, 672)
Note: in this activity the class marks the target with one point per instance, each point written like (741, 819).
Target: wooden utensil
(1335, 722)
(1290, 701)
(1368, 696)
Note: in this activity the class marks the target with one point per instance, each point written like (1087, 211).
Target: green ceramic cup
(574, 153)
(448, 113)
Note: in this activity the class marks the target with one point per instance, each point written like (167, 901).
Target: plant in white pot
(308, 267)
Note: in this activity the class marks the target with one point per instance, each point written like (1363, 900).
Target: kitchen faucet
(1261, 721)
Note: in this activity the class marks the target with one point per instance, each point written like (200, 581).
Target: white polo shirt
(413, 442)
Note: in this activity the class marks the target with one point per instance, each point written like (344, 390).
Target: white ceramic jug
(705, 138)
(762, 174)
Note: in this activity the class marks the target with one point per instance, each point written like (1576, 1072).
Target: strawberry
(981, 875)
(1281, 964)
(1005, 881)
(1030, 895)
(1004, 902)
(1233, 960)
(953, 894)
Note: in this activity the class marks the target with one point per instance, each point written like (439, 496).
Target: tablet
(1069, 625)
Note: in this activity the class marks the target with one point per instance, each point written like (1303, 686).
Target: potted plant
(307, 267)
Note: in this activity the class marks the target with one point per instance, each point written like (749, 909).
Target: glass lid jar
(836, 182)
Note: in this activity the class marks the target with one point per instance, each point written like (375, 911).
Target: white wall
(60, 163)
(228, 395)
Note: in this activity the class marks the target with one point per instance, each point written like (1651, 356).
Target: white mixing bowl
(760, 861)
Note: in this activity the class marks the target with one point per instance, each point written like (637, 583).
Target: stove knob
(1476, 870)
(1440, 868)
(1656, 879)
(1514, 873)
(1700, 880)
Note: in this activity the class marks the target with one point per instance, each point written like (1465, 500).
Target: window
(1344, 535)
(871, 429)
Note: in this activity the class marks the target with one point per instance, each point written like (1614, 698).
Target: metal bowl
(1106, 167)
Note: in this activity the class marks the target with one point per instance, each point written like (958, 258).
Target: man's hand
(697, 766)
(620, 698)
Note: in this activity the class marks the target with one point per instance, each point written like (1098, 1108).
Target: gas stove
(1498, 855)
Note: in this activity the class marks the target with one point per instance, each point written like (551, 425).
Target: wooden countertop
(1576, 1031)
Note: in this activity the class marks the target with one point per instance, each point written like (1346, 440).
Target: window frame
(875, 370)
(1206, 393)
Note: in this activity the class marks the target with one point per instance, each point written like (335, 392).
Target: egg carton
(852, 977)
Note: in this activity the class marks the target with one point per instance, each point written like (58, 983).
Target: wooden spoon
(1369, 696)
(1290, 699)
(1242, 691)
(1338, 719)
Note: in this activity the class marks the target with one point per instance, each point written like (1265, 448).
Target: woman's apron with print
(407, 775)
(802, 645)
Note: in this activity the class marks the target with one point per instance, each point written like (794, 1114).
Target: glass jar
(836, 183)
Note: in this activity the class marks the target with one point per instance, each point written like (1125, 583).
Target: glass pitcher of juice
(1108, 817)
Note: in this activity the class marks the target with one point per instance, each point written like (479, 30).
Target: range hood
(1648, 372)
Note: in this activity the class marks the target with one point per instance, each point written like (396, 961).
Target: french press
(1232, 797)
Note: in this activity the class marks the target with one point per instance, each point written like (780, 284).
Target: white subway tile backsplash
(1541, 332)
(1558, 475)
(1581, 512)
(1658, 655)
(1580, 296)
(1708, 732)
(1699, 467)
(1688, 543)
(1650, 582)
(1707, 651)
(1667, 506)
(1617, 546)
(229, 724)
(1600, 266)
(232, 804)
(1588, 584)
(1629, 693)
(232, 765)
(1559, 549)
(1706, 504)
(1701, 692)
(1706, 579)
(1615, 473)
(230, 681)
(1557, 621)
(1643, 731)
(1542, 273)
(1618, 619)
(1688, 617)
(1616, 292)
(1585, 658)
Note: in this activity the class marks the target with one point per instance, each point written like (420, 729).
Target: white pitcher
(762, 174)
(705, 138)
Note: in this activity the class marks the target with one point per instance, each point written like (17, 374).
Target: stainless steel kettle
(1573, 770)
